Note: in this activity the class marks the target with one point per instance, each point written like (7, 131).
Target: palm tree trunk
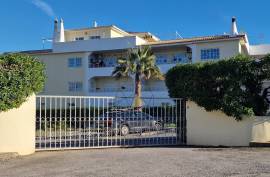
(137, 103)
(138, 86)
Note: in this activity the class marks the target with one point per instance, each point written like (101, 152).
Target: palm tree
(141, 64)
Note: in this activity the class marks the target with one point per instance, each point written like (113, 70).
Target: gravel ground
(7, 156)
(142, 162)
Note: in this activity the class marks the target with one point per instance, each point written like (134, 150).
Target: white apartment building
(81, 61)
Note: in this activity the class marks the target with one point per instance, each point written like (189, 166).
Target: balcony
(112, 62)
(173, 59)
(124, 89)
(102, 62)
(101, 84)
(98, 44)
(110, 89)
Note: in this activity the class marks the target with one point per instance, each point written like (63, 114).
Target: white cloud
(46, 8)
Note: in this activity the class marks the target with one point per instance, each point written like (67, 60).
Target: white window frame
(210, 54)
(79, 38)
(94, 37)
(75, 86)
(75, 62)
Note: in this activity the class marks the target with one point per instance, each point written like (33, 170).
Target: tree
(20, 77)
(233, 86)
(141, 64)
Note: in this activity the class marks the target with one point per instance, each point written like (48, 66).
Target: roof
(177, 41)
(146, 36)
(44, 51)
(197, 39)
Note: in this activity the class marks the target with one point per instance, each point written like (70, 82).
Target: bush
(20, 77)
(233, 86)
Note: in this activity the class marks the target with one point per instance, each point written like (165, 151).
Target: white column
(86, 85)
(62, 31)
(195, 57)
(234, 27)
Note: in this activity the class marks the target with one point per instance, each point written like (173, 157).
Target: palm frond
(120, 71)
(139, 61)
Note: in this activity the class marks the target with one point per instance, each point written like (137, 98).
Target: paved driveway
(142, 162)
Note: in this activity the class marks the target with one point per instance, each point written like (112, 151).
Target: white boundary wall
(17, 128)
(217, 129)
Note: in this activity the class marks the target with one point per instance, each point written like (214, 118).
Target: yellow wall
(261, 129)
(115, 34)
(227, 48)
(103, 33)
(215, 128)
(59, 74)
(17, 129)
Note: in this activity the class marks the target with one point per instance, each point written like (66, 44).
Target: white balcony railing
(98, 44)
(112, 62)
(101, 63)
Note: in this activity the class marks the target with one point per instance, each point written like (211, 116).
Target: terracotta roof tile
(196, 39)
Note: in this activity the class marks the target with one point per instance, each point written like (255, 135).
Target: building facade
(81, 61)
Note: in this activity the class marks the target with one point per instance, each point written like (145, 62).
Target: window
(94, 37)
(79, 38)
(74, 62)
(178, 58)
(210, 54)
(75, 86)
(161, 59)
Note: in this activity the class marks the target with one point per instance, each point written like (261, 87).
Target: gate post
(184, 122)
(181, 121)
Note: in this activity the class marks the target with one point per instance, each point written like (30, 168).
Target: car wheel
(158, 126)
(124, 130)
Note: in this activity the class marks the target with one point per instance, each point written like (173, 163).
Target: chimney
(62, 31)
(234, 26)
(95, 24)
(55, 31)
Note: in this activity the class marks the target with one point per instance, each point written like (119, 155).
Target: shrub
(20, 77)
(233, 86)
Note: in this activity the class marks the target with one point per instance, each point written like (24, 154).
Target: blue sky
(25, 22)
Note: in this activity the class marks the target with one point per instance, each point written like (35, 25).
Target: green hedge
(233, 86)
(20, 77)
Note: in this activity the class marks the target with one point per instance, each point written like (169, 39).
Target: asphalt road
(142, 162)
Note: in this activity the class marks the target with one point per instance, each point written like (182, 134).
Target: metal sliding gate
(77, 122)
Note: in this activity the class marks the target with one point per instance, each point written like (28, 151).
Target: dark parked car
(125, 122)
